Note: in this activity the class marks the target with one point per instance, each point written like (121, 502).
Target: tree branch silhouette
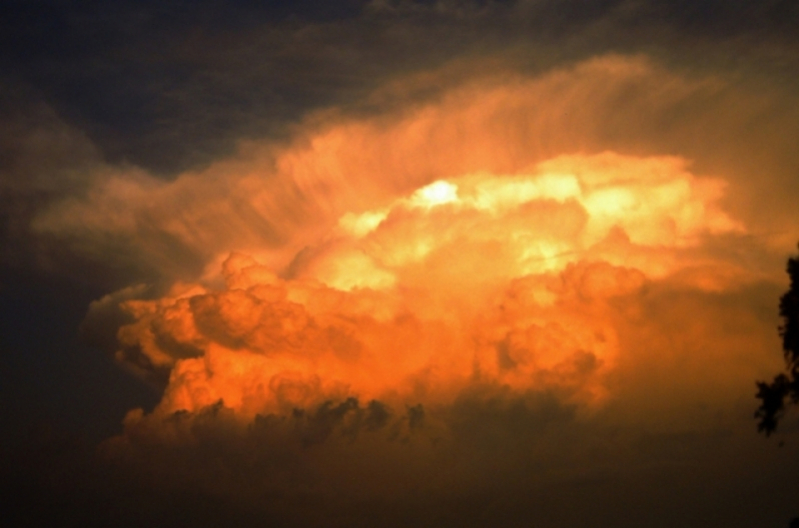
(785, 386)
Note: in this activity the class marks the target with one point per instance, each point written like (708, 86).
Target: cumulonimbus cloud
(404, 258)
(419, 289)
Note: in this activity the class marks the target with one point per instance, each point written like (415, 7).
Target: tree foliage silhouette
(785, 386)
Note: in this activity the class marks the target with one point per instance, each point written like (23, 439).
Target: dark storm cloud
(42, 159)
(522, 461)
(170, 85)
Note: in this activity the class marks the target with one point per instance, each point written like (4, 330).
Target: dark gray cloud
(550, 469)
(173, 85)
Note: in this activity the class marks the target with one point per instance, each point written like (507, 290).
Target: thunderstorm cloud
(406, 263)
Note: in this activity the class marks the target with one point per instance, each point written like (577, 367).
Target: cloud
(497, 279)
(468, 307)
(522, 283)
(42, 160)
(199, 77)
(272, 200)
(484, 236)
(429, 263)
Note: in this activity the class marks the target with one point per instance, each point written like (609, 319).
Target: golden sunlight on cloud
(486, 242)
(397, 263)
(514, 281)
(380, 305)
(271, 201)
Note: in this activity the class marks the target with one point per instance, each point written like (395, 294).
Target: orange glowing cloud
(486, 240)
(273, 200)
(512, 281)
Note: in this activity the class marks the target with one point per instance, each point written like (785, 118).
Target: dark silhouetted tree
(785, 386)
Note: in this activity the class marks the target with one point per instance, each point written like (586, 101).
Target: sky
(396, 262)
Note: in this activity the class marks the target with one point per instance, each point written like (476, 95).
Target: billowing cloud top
(498, 279)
